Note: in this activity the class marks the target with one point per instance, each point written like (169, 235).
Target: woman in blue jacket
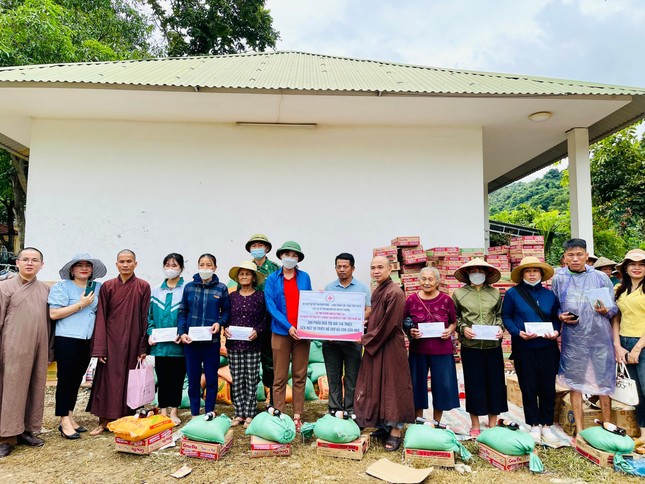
(205, 303)
(536, 357)
(282, 295)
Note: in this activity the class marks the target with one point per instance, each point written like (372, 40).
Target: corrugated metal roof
(300, 71)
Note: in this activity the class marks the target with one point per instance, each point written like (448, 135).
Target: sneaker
(535, 434)
(548, 436)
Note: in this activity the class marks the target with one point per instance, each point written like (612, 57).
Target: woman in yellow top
(629, 325)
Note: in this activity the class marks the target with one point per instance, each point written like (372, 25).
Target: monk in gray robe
(25, 352)
(119, 340)
(383, 397)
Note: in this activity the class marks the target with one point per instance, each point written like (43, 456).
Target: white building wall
(191, 188)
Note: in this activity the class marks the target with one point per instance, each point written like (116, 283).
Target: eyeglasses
(33, 261)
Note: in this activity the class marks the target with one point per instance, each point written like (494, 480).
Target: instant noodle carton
(207, 450)
(439, 458)
(352, 450)
(625, 416)
(145, 446)
(567, 422)
(266, 448)
(502, 461)
(406, 241)
(598, 457)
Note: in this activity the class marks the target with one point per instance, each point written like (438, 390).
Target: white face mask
(477, 278)
(289, 262)
(205, 273)
(172, 273)
(533, 283)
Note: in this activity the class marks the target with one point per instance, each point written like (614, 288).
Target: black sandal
(380, 434)
(392, 443)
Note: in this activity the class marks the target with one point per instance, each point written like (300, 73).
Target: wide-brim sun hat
(249, 266)
(492, 273)
(528, 263)
(592, 258)
(604, 262)
(258, 238)
(634, 255)
(290, 245)
(98, 268)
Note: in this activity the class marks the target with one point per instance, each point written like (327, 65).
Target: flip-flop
(237, 421)
(98, 430)
(392, 443)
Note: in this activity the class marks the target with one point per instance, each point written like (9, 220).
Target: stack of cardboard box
(527, 245)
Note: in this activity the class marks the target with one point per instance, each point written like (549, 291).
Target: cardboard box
(207, 450)
(598, 457)
(567, 422)
(145, 446)
(625, 416)
(266, 448)
(514, 395)
(385, 251)
(352, 450)
(406, 241)
(430, 457)
(503, 461)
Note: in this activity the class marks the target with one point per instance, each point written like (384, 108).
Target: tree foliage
(193, 27)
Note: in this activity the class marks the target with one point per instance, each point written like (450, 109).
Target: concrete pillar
(486, 220)
(580, 185)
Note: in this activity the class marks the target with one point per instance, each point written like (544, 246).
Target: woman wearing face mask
(282, 295)
(205, 303)
(478, 303)
(429, 305)
(170, 364)
(536, 357)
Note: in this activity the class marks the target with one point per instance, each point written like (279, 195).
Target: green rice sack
(428, 438)
(203, 430)
(336, 430)
(223, 361)
(276, 429)
(600, 439)
(512, 442)
(261, 394)
(317, 370)
(310, 391)
(315, 352)
(185, 399)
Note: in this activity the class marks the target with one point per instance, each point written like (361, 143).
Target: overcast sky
(590, 40)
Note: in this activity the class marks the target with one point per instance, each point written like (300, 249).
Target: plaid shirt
(204, 305)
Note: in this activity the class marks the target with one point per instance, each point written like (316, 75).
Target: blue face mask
(258, 253)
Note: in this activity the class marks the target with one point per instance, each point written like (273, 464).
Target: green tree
(192, 27)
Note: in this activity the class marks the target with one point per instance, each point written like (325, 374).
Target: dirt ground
(93, 459)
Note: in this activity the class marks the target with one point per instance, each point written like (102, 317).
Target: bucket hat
(493, 275)
(249, 266)
(98, 268)
(290, 245)
(258, 238)
(529, 262)
(634, 255)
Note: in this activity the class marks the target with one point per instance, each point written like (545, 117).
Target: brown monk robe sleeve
(143, 319)
(99, 339)
(388, 321)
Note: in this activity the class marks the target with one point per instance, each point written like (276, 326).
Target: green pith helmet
(258, 238)
(290, 245)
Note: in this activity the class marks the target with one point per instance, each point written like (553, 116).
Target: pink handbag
(141, 385)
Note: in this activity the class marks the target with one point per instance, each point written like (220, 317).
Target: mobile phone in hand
(90, 287)
(575, 316)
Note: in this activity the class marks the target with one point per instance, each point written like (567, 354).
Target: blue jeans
(198, 353)
(637, 372)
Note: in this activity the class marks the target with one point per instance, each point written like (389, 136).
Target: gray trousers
(339, 354)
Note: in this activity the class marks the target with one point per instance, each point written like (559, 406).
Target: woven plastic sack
(317, 370)
(428, 438)
(310, 392)
(223, 391)
(336, 430)
(261, 394)
(203, 430)
(223, 361)
(276, 429)
(601, 439)
(133, 429)
(315, 352)
(512, 442)
(323, 388)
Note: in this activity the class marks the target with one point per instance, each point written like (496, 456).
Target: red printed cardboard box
(352, 450)
(406, 241)
(503, 461)
(145, 446)
(207, 450)
(598, 457)
(266, 448)
(431, 457)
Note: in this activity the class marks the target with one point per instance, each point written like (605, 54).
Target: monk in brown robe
(25, 352)
(119, 340)
(383, 397)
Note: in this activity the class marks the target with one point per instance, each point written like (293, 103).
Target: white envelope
(485, 332)
(240, 332)
(164, 335)
(200, 333)
(541, 328)
(431, 330)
